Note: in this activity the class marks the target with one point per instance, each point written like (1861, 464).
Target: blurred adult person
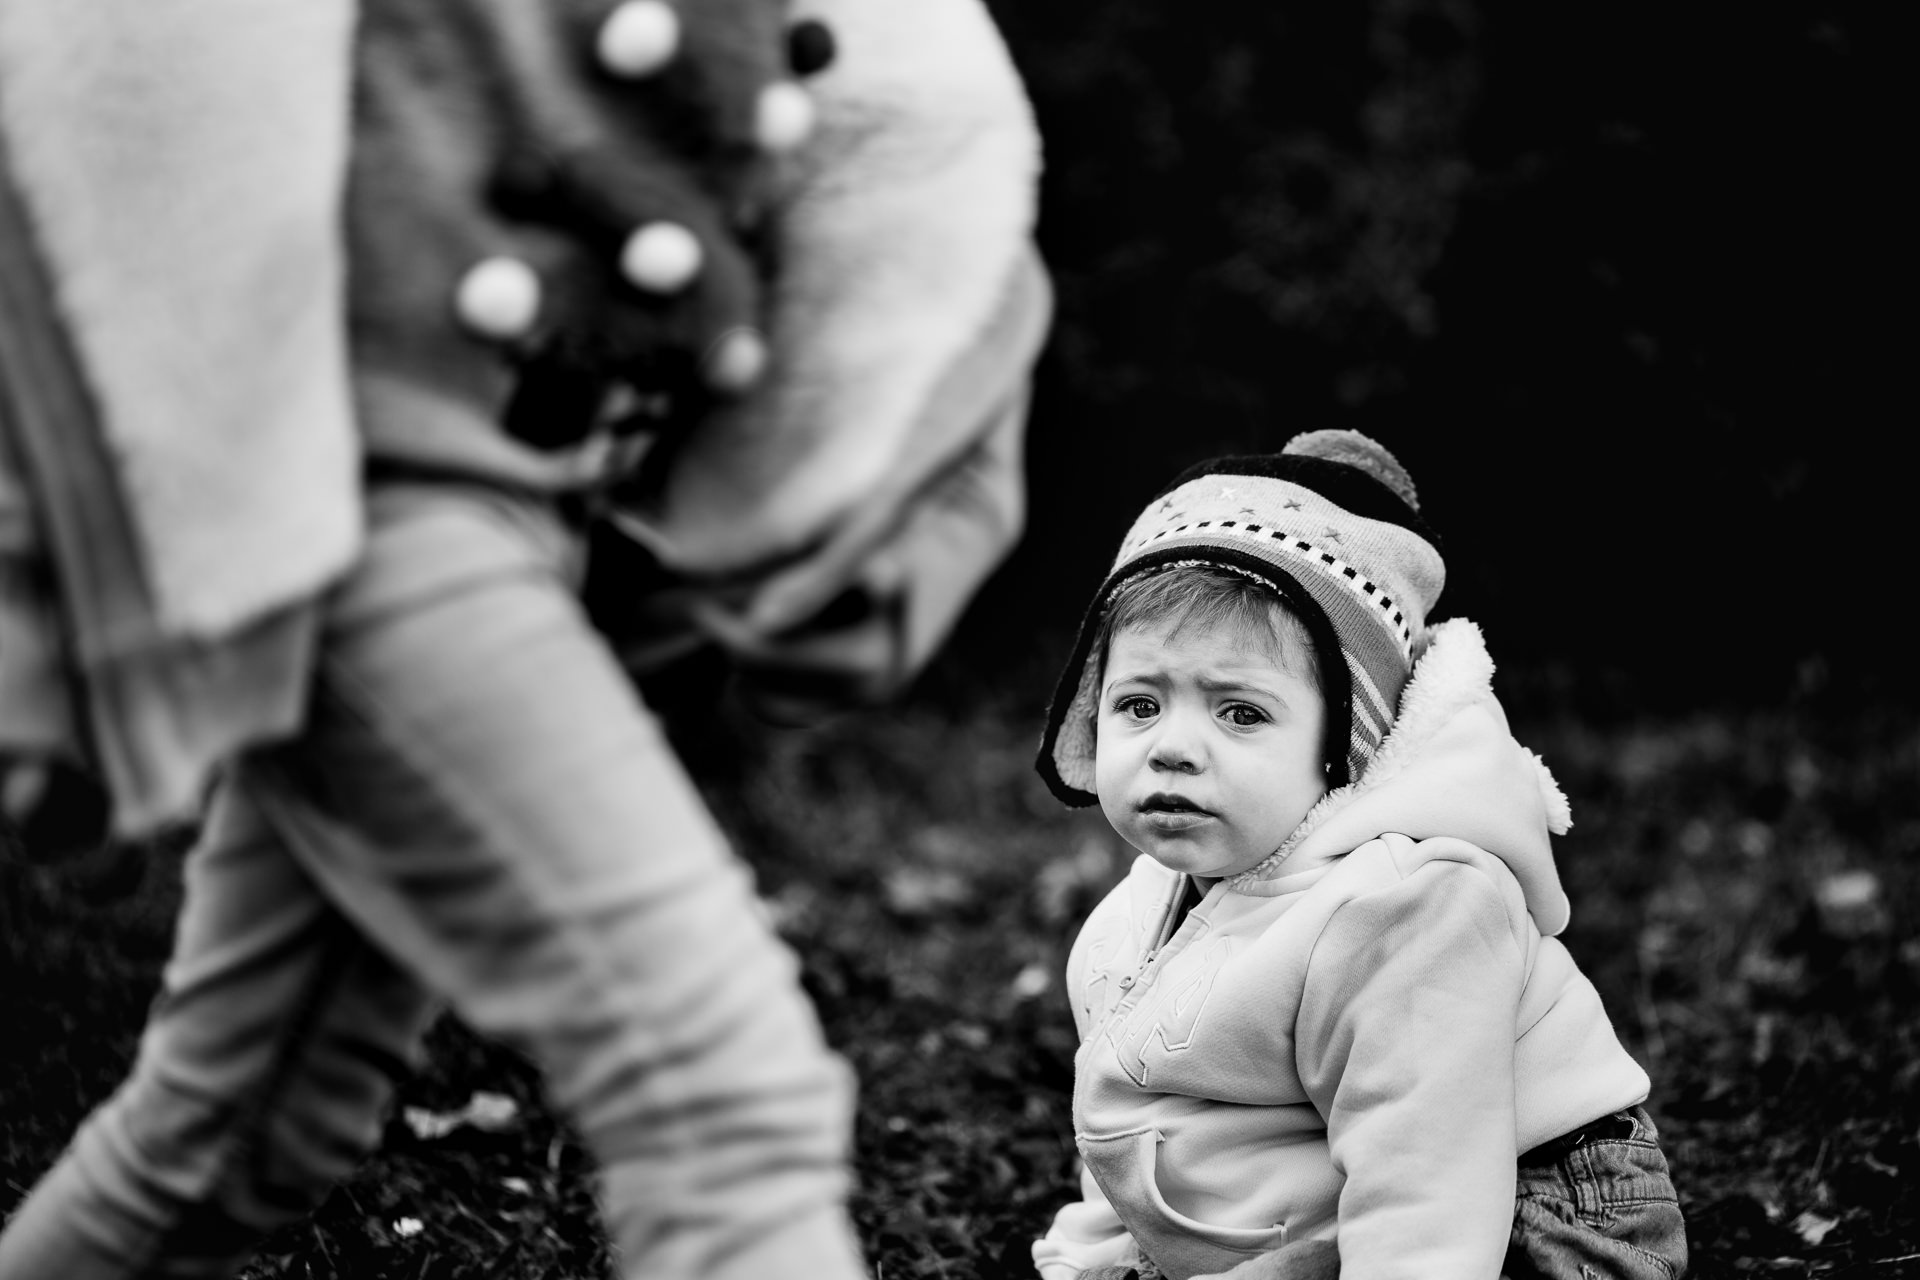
(332, 339)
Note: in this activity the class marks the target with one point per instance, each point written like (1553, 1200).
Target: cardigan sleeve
(1405, 1045)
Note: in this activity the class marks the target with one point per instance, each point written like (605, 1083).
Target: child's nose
(1176, 747)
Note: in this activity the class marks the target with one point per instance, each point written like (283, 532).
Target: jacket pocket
(1124, 1165)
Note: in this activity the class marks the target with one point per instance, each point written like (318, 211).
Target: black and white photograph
(956, 640)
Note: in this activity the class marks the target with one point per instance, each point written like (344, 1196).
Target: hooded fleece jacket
(1355, 1039)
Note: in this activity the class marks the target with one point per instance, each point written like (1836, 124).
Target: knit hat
(1332, 524)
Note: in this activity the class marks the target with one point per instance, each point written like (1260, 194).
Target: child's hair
(1208, 597)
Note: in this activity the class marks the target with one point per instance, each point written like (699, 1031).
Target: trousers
(1598, 1205)
(480, 813)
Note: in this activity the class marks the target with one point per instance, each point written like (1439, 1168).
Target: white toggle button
(498, 298)
(736, 361)
(784, 116)
(639, 38)
(661, 257)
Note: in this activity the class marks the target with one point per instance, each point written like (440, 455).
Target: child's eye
(1245, 716)
(1137, 707)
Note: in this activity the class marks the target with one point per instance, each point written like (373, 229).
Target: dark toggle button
(810, 47)
(526, 186)
(54, 810)
(553, 406)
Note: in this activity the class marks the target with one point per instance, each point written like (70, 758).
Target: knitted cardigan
(182, 430)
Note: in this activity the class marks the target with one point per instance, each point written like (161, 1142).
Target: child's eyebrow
(1154, 676)
(1227, 684)
(1207, 683)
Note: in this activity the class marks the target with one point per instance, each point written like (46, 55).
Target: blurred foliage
(1611, 279)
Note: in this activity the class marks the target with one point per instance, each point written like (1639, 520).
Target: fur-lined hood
(1449, 767)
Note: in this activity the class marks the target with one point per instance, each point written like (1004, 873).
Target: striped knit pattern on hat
(1332, 522)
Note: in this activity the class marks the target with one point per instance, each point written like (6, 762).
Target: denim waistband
(1618, 1125)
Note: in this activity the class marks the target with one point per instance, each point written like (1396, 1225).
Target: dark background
(1615, 281)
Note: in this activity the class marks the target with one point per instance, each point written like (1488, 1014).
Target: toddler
(1326, 1026)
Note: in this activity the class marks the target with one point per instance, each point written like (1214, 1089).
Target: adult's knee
(702, 1083)
(724, 1054)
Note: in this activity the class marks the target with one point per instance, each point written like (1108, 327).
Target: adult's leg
(261, 1079)
(481, 789)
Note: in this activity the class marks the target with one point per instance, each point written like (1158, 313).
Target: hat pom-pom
(1361, 452)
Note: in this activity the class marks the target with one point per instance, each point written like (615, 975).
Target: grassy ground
(1745, 894)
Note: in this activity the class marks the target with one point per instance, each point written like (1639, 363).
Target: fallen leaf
(1851, 905)
(1813, 1227)
(1030, 982)
(925, 891)
(487, 1112)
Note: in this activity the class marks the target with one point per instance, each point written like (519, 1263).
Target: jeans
(1599, 1208)
(478, 811)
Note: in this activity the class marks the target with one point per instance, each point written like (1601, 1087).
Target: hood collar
(1449, 767)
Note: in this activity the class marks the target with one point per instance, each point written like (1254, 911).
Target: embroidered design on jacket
(1170, 1011)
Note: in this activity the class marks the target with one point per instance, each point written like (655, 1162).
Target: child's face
(1207, 752)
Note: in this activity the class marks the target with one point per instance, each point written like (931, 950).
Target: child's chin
(1176, 856)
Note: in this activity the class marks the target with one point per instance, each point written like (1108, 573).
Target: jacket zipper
(1162, 936)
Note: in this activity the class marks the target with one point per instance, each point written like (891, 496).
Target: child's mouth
(1168, 812)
